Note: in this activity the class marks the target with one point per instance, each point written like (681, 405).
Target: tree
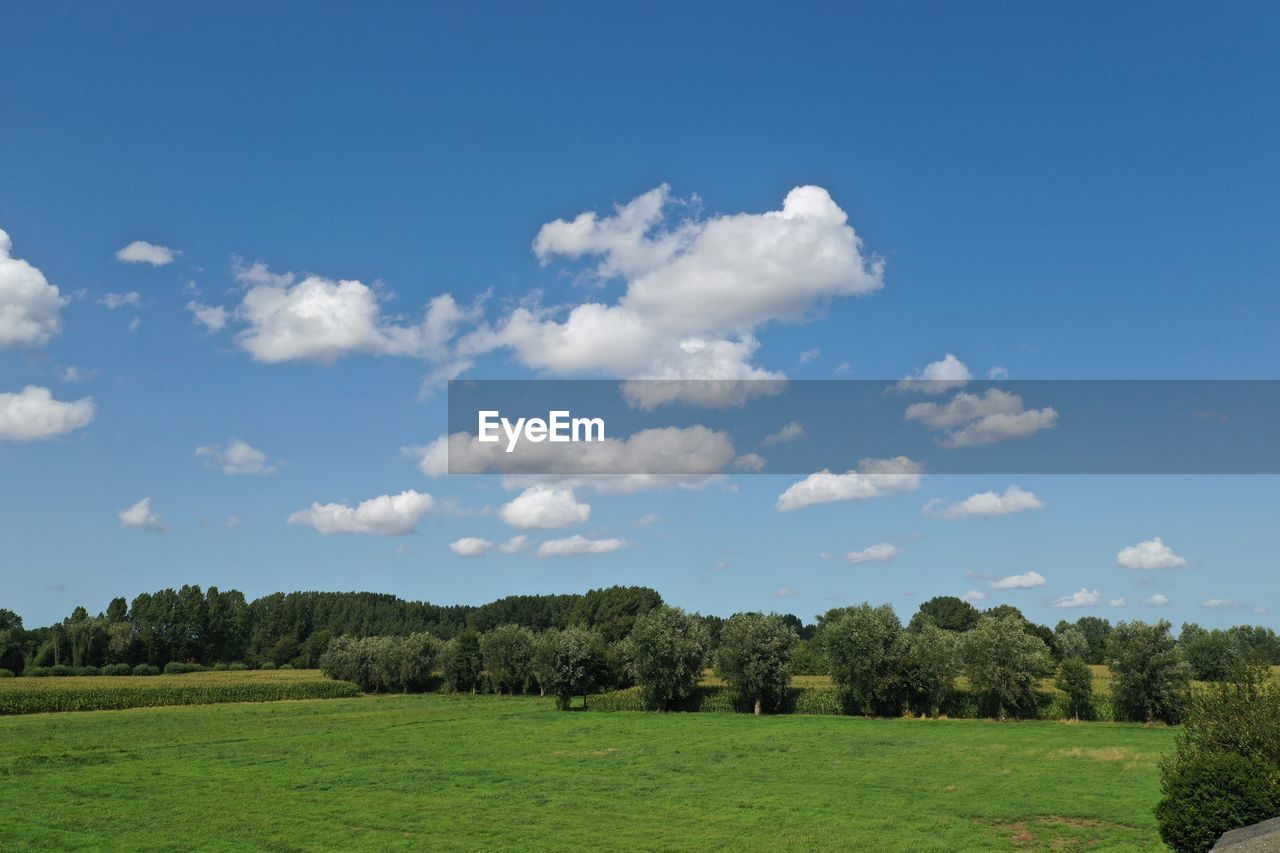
(667, 648)
(1150, 680)
(950, 613)
(568, 663)
(508, 658)
(754, 658)
(1075, 679)
(930, 664)
(1005, 664)
(1212, 655)
(461, 662)
(861, 645)
(1095, 630)
(1070, 642)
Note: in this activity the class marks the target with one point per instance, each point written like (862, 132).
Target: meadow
(432, 770)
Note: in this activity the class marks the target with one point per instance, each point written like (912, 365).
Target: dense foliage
(667, 649)
(1152, 681)
(754, 658)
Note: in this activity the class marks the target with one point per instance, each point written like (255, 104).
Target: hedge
(107, 694)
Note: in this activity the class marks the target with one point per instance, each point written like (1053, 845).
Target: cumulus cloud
(32, 415)
(544, 508)
(1083, 598)
(1030, 580)
(1116, 602)
(1221, 604)
(974, 596)
(470, 546)
(140, 516)
(578, 546)
(937, 377)
(112, 301)
(30, 307)
(212, 317)
(986, 505)
(387, 515)
(695, 291)
(237, 457)
(142, 252)
(882, 552)
(749, 463)
(320, 319)
(1157, 600)
(1151, 554)
(873, 478)
(514, 545)
(789, 432)
(970, 420)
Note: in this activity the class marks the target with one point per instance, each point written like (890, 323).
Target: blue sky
(1082, 193)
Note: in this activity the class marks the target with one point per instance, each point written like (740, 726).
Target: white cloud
(789, 432)
(873, 478)
(971, 420)
(75, 374)
(134, 325)
(749, 463)
(142, 252)
(809, 355)
(212, 317)
(784, 592)
(514, 545)
(578, 546)
(1151, 554)
(938, 377)
(319, 319)
(1030, 580)
(112, 301)
(32, 415)
(1222, 604)
(695, 291)
(470, 546)
(648, 519)
(140, 516)
(1116, 602)
(1083, 598)
(974, 596)
(387, 515)
(29, 305)
(544, 508)
(1157, 600)
(879, 553)
(237, 457)
(998, 373)
(986, 505)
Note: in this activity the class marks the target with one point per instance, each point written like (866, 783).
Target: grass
(98, 692)
(500, 772)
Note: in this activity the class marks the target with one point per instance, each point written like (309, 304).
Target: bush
(175, 667)
(84, 670)
(59, 669)
(146, 669)
(238, 666)
(1212, 794)
(286, 666)
(267, 665)
(218, 667)
(6, 673)
(117, 669)
(36, 671)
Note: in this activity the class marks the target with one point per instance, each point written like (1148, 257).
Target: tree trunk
(759, 702)
(1001, 711)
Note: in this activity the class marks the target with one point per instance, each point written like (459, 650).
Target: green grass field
(500, 772)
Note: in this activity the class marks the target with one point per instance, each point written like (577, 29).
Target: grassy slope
(505, 772)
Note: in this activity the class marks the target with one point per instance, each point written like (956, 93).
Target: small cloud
(578, 546)
(844, 369)
(749, 463)
(514, 545)
(544, 508)
(1116, 602)
(873, 478)
(648, 520)
(212, 317)
(470, 546)
(75, 374)
(237, 457)
(784, 592)
(789, 432)
(134, 325)
(1030, 580)
(998, 373)
(721, 566)
(1151, 554)
(142, 252)
(1223, 604)
(973, 596)
(386, 515)
(140, 516)
(1083, 598)
(234, 521)
(112, 301)
(1157, 600)
(937, 377)
(986, 505)
(882, 552)
(809, 355)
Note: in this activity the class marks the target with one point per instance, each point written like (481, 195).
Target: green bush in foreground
(1212, 794)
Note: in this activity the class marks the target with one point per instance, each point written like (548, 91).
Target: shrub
(238, 666)
(267, 665)
(1212, 794)
(59, 669)
(667, 648)
(36, 671)
(146, 669)
(286, 666)
(84, 670)
(175, 667)
(117, 669)
(6, 673)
